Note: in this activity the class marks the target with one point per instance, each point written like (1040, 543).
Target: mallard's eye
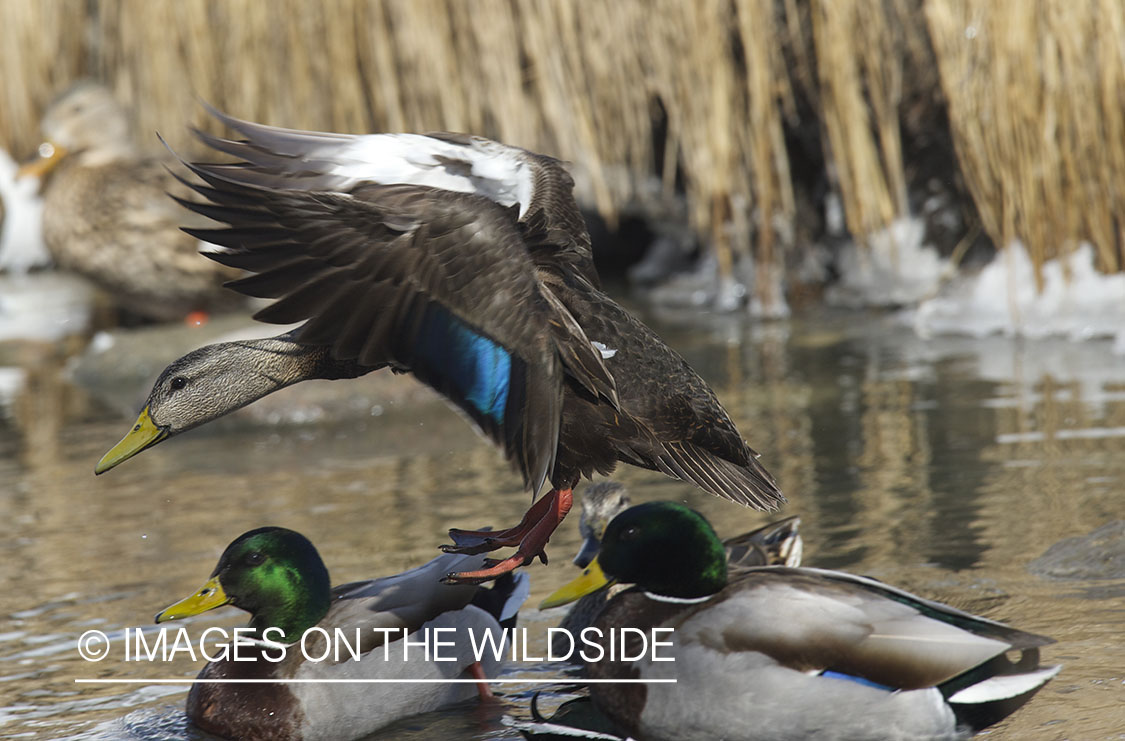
(178, 383)
(255, 558)
(630, 533)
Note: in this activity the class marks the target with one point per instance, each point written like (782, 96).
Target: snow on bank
(898, 269)
(21, 233)
(704, 287)
(1077, 302)
(44, 306)
(895, 268)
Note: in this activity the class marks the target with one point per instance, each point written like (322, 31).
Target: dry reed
(1035, 93)
(1033, 97)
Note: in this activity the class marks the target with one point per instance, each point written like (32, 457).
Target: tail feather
(1005, 687)
(750, 485)
(995, 697)
(776, 544)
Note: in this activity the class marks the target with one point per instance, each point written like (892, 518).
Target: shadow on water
(943, 466)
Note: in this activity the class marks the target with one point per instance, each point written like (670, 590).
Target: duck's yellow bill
(50, 154)
(144, 434)
(591, 580)
(207, 598)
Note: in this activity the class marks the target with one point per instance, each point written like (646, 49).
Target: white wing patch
(606, 352)
(495, 171)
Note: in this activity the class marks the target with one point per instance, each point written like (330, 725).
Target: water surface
(942, 466)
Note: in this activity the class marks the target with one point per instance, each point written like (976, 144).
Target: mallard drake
(279, 578)
(775, 544)
(790, 653)
(107, 217)
(466, 262)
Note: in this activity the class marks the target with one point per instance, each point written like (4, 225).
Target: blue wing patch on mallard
(474, 367)
(858, 680)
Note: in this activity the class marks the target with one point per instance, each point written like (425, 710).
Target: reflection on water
(942, 466)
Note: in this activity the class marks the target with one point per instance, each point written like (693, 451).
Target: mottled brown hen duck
(107, 216)
(467, 263)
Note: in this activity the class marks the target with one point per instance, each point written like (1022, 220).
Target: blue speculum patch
(858, 680)
(475, 366)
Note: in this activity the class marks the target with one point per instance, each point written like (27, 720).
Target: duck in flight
(467, 263)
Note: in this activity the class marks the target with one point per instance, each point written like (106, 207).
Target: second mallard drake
(107, 216)
(777, 653)
(467, 263)
(279, 578)
(775, 544)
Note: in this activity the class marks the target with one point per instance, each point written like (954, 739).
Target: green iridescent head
(665, 548)
(274, 574)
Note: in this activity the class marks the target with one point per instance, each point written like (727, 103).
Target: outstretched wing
(537, 185)
(427, 280)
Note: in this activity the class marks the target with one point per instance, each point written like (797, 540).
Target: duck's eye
(630, 533)
(178, 383)
(255, 558)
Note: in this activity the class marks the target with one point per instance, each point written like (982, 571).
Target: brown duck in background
(467, 263)
(107, 215)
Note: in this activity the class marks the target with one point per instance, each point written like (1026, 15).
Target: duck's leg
(482, 541)
(531, 544)
(477, 673)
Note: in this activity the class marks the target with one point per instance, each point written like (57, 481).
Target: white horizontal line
(1089, 433)
(560, 680)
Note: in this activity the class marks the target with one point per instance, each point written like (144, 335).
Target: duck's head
(204, 385)
(85, 122)
(601, 502)
(274, 574)
(665, 548)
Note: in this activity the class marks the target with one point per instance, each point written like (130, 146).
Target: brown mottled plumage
(107, 216)
(323, 256)
(467, 263)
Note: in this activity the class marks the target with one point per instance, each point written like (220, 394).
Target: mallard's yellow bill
(207, 598)
(592, 579)
(50, 154)
(144, 434)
